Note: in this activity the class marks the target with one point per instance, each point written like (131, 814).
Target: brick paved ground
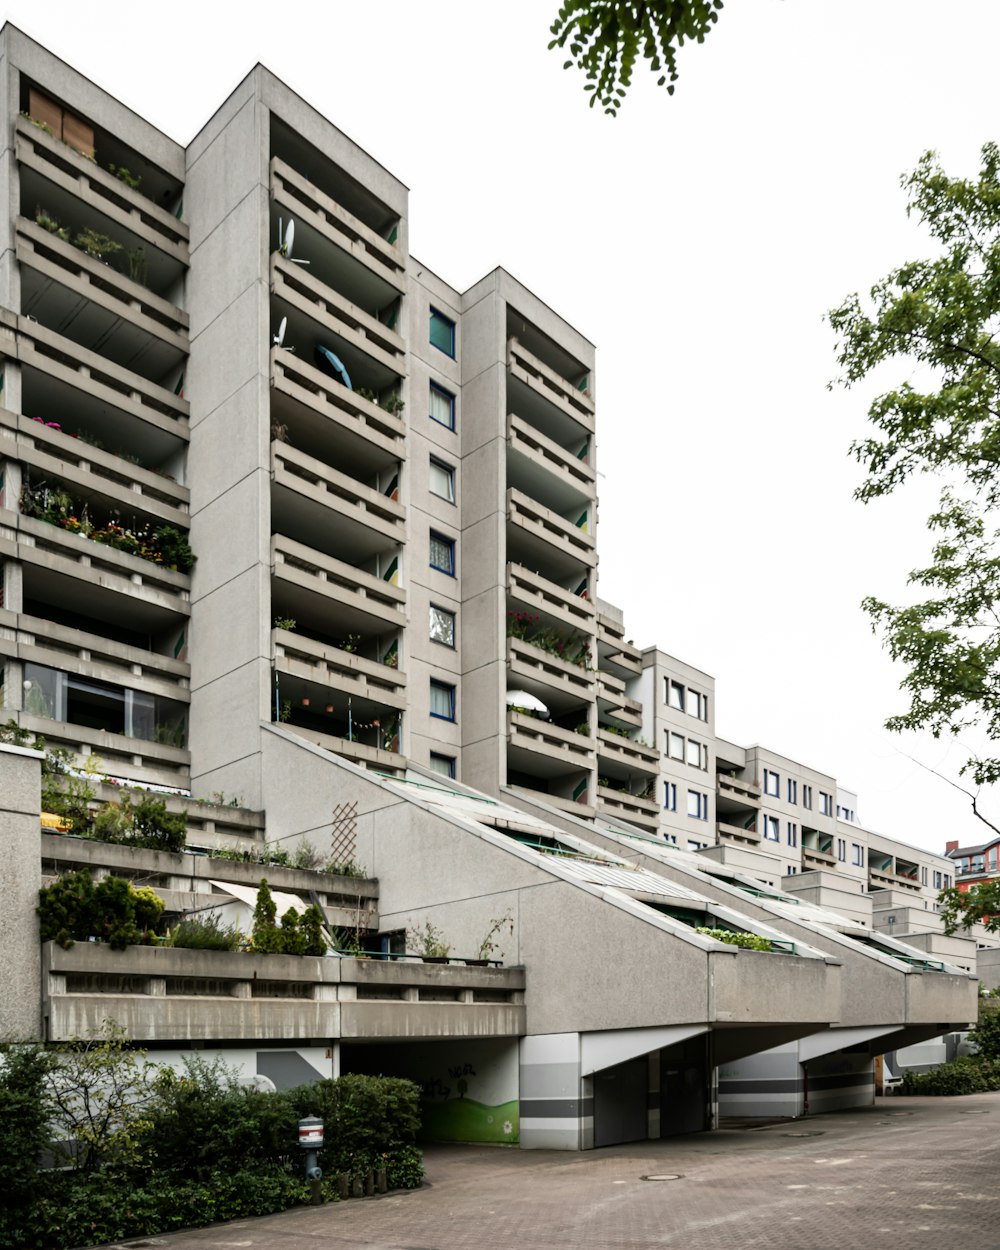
(907, 1174)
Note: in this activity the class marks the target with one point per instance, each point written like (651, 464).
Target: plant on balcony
(749, 941)
(136, 257)
(49, 223)
(74, 909)
(35, 122)
(124, 175)
(428, 943)
(97, 245)
(488, 946)
(618, 730)
(351, 643)
(295, 935)
(574, 649)
(284, 622)
(147, 824)
(204, 933)
(583, 729)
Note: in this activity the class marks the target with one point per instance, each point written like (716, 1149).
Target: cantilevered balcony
(559, 683)
(91, 578)
(34, 640)
(337, 512)
(553, 603)
(541, 469)
(362, 264)
(614, 652)
(56, 176)
(614, 703)
(542, 539)
(83, 299)
(615, 750)
(362, 747)
(635, 808)
(739, 834)
(545, 398)
(339, 670)
(117, 756)
(738, 790)
(374, 355)
(319, 411)
(543, 749)
(309, 583)
(63, 381)
(95, 476)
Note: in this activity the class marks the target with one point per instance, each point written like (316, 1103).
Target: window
(771, 831)
(442, 553)
(442, 700)
(947, 881)
(790, 870)
(793, 833)
(923, 876)
(443, 764)
(772, 783)
(443, 333)
(696, 846)
(697, 805)
(676, 751)
(695, 754)
(442, 406)
(807, 796)
(442, 480)
(442, 626)
(792, 791)
(669, 796)
(675, 695)
(825, 803)
(857, 857)
(841, 850)
(697, 704)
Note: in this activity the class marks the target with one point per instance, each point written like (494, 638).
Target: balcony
(631, 807)
(316, 662)
(558, 683)
(92, 579)
(126, 759)
(542, 469)
(361, 753)
(335, 240)
(887, 879)
(745, 793)
(162, 994)
(615, 703)
(33, 640)
(69, 174)
(613, 748)
(812, 857)
(614, 650)
(311, 583)
(545, 397)
(96, 475)
(84, 299)
(549, 600)
(552, 751)
(311, 499)
(538, 536)
(728, 833)
(319, 410)
(374, 355)
(61, 376)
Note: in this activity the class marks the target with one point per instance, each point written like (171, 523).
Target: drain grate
(662, 1176)
(969, 1111)
(818, 1132)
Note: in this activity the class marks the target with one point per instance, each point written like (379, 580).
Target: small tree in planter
(428, 943)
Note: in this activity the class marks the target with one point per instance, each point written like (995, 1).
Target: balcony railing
(118, 482)
(547, 454)
(358, 752)
(342, 670)
(101, 379)
(297, 288)
(90, 279)
(545, 382)
(333, 579)
(639, 758)
(543, 523)
(632, 807)
(316, 481)
(736, 833)
(298, 195)
(67, 169)
(615, 650)
(884, 878)
(820, 859)
(130, 759)
(747, 792)
(162, 994)
(34, 640)
(549, 598)
(528, 661)
(347, 410)
(573, 749)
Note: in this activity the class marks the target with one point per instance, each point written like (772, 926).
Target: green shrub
(73, 909)
(26, 1118)
(749, 941)
(204, 933)
(986, 1034)
(156, 828)
(296, 935)
(969, 1074)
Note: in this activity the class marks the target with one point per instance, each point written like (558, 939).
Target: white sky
(697, 240)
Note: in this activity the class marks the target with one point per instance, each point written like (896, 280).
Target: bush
(970, 1074)
(986, 1034)
(749, 941)
(73, 909)
(25, 1118)
(296, 935)
(204, 933)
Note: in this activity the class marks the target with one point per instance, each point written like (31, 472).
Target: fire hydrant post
(311, 1140)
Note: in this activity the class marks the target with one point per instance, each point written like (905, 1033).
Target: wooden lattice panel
(344, 833)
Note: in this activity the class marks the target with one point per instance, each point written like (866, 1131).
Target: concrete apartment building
(389, 487)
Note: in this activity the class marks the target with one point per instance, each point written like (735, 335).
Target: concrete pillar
(20, 881)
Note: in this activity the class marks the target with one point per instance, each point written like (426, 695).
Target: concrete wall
(20, 879)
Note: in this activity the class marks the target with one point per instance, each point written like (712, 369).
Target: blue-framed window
(771, 832)
(442, 406)
(443, 764)
(697, 805)
(793, 833)
(442, 553)
(857, 857)
(772, 783)
(442, 700)
(793, 787)
(442, 333)
(669, 796)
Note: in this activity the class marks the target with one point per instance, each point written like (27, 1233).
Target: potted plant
(488, 947)
(428, 943)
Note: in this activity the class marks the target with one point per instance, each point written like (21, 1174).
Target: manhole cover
(899, 1113)
(662, 1176)
(971, 1112)
(814, 1133)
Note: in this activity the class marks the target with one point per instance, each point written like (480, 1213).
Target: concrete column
(556, 1104)
(20, 881)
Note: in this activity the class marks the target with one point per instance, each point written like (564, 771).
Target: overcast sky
(697, 240)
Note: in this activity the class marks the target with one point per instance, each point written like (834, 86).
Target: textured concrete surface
(909, 1173)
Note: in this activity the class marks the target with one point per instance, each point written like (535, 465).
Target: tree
(979, 904)
(940, 317)
(607, 37)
